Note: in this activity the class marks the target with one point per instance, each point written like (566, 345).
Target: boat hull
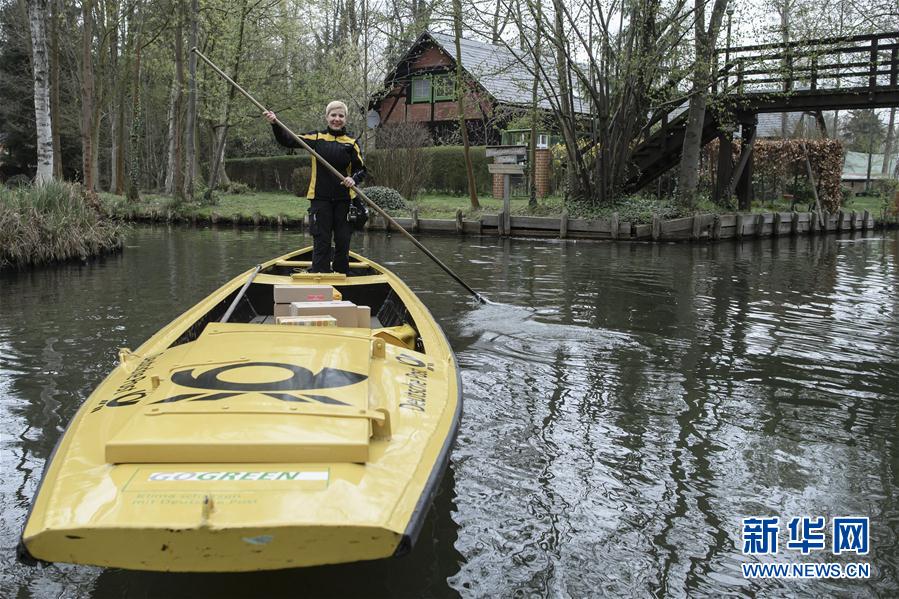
(226, 447)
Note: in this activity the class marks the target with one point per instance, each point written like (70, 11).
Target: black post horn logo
(301, 379)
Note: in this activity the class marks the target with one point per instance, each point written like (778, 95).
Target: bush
(449, 175)
(386, 198)
(401, 161)
(266, 173)
(53, 221)
(234, 188)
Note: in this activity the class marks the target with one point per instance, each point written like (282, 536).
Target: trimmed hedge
(275, 173)
(266, 173)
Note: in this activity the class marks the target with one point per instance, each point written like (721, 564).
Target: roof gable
(497, 69)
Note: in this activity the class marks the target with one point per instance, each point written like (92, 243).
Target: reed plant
(51, 222)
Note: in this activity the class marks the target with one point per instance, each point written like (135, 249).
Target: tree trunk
(117, 89)
(137, 119)
(174, 132)
(175, 174)
(54, 88)
(218, 149)
(888, 144)
(37, 20)
(190, 125)
(87, 95)
(532, 150)
(688, 178)
(460, 91)
(566, 113)
(868, 172)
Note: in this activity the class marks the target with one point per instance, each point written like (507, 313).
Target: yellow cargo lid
(268, 394)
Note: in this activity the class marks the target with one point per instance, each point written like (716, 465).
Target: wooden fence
(700, 227)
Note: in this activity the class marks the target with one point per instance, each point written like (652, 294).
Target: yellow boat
(247, 445)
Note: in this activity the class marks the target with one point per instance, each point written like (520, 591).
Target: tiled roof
(769, 125)
(855, 166)
(498, 69)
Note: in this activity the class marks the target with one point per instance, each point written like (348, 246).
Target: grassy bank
(52, 222)
(269, 207)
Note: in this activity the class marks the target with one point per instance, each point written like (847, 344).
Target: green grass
(270, 205)
(873, 204)
(266, 207)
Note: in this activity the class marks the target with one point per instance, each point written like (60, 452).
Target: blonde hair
(335, 104)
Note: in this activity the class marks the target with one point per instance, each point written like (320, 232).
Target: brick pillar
(542, 172)
(497, 185)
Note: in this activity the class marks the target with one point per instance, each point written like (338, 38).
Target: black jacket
(340, 150)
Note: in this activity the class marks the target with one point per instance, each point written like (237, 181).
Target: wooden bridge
(807, 76)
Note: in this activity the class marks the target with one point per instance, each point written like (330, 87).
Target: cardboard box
(285, 294)
(363, 314)
(346, 313)
(318, 320)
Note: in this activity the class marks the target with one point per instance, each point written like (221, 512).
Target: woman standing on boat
(330, 197)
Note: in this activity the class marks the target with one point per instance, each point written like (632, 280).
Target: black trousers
(327, 220)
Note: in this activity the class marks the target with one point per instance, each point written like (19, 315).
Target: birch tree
(38, 16)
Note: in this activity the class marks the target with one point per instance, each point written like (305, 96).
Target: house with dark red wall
(421, 89)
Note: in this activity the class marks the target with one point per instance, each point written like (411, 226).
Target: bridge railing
(845, 63)
(848, 64)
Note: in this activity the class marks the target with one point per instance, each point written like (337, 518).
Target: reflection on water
(626, 406)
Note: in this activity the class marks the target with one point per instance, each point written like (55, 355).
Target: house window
(543, 141)
(421, 89)
(444, 88)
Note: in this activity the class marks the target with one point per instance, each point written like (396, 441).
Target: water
(625, 407)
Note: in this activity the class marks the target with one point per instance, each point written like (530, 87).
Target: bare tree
(37, 19)
(174, 177)
(605, 69)
(190, 126)
(221, 130)
(702, 73)
(87, 95)
(54, 87)
(460, 95)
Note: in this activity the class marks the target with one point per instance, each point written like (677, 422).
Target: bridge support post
(725, 166)
(744, 183)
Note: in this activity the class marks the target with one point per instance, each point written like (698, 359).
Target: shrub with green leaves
(386, 198)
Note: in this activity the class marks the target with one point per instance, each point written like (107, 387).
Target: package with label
(346, 313)
(318, 320)
(363, 314)
(285, 294)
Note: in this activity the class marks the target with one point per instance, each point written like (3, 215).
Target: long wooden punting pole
(337, 174)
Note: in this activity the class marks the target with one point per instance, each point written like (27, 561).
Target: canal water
(626, 406)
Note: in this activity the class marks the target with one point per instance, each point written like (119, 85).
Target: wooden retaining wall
(700, 227)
